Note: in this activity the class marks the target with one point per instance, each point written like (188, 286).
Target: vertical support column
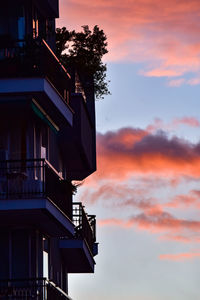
(4, 255)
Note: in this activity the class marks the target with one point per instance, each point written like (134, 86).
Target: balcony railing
(33, 59)
(85, 225)
(35, 289)
(32, 179)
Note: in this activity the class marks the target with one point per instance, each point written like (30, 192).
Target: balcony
(85, 225)
(31, 67)
(36, 189)
(83, 247)
(37, 289)
(35, 59)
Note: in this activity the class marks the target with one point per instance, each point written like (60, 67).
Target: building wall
(58, 272)
(21, 254)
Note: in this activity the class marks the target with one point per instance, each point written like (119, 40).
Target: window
(45, 265)
(21, 23)
(35, 24)
(45, 258)
(12, 22)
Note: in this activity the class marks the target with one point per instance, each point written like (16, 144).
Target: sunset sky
(146, 192)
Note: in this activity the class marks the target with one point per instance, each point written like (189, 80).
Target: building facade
(47, 140)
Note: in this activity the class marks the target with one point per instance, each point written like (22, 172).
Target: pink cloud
(180, 256)
(186, 238)
(158, 222)
(162, 35)
(112, 222)
(176, 238)
(163, 221)
(145, 153)
(185, 200)
(135, 168)
(182, 200)
(194, 81)
(121, 195)
(158, 124)
(162, 73)
(176, 82)
(190, 121)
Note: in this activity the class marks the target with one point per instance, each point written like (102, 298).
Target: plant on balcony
(84, 51)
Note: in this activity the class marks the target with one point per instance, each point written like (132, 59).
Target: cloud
(180, 81)
(162, 35)
(182, 200)
(134, 151)
(176, 82)
(194, 81)
(180, 256)
(163, 73)
(123, 195)
(189, 121)
(186, 238)
(185, 200)
(138, 173)
(113, 222)
(176, 238)
(161, 221)
(158, 222)
(158, 124)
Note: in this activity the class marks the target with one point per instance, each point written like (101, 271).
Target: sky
(146, 191)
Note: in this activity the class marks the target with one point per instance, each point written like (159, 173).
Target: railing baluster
(84, 228)
(34, 288)
(38, 179)
(42, 62)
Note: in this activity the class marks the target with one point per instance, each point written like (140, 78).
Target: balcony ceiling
(37, 213)
(41, 90)
(77, 256)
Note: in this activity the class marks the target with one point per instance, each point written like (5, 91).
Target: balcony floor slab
(77, 255)
(34, 85)
(37, 213)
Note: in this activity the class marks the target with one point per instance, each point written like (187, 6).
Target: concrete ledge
(36, 85)
(77, 255)
(38, 213)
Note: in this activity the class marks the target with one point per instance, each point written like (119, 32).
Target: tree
(84, 51)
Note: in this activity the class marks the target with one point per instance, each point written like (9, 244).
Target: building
(47, 139)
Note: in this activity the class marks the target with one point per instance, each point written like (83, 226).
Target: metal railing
(33, 58)
(34, 288)
(33, 178)
(85, 225)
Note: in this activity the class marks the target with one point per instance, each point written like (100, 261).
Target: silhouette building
(47, 140)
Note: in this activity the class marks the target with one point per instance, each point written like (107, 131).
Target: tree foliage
(84, 51)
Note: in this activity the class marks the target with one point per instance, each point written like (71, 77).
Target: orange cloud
(177, 238)
(185, 200)
(163, 221)
(182, 200)
(186, 238)
(145, 154)
(136, 170)
(180, 256)
(158, 222)
(163, 35)
(122, 195)
(165, 225)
